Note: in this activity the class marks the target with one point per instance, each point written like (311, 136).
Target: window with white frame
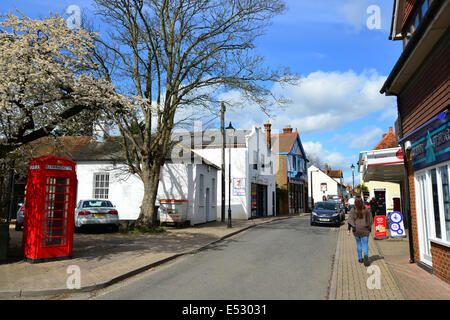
(438, 201)
(101, 186)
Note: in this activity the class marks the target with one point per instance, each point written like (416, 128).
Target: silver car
(20, 217)
(96, 212)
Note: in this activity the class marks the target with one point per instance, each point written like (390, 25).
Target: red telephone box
(49, 209)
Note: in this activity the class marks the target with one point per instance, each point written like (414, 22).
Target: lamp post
(312, 192)
(353, 176)
(229, 129)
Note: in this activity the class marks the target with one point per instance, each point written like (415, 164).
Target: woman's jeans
(364, 241)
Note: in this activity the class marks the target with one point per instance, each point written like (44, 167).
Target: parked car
(334, 198)
(96, 212)
(326, 213)
(20, 217)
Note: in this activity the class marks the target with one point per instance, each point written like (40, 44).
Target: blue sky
(337, 108)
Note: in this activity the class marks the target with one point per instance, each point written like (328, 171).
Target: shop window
(437, 222)
(446, 199)
(436, 203)
(101, 186)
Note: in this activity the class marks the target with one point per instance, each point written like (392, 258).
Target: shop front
(430, 160)
(296, 194)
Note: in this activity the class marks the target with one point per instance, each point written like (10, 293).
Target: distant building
(420, 81)
(102, 174)
(325, 183)
(374, 173)
(291, 171)
(252, 169)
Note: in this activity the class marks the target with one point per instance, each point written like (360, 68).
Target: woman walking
(360, 221)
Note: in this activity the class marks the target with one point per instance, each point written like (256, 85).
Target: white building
(322, 184)
(252, 170)
(100, 177)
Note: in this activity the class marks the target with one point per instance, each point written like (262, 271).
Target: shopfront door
(423, 219)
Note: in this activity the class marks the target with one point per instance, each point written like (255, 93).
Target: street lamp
(353, 176)
(312, 193)
(229, 129)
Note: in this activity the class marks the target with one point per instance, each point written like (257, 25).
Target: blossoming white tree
(45, 78)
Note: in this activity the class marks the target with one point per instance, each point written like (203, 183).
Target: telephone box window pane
(53, 241)
(55, 224)
(56, 207)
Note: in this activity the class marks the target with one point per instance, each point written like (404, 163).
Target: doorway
(422, 194)
(380, 197)
(207, 205)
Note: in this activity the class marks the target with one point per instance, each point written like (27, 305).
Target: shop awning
(382, 165)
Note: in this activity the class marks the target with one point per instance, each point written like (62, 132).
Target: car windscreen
(97, 204)
(326, 206)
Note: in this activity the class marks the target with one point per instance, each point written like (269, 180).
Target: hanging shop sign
(431, 144)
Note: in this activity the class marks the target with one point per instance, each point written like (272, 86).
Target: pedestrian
(360, 221)
(373, 206)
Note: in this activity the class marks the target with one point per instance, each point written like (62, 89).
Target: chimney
(326, 169)
(267, 127)
(287, 129)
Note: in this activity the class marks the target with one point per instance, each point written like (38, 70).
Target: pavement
(390, 275)
(107, 258)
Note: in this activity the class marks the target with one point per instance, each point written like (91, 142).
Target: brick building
(420, 80)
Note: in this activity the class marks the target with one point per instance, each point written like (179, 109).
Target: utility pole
(222, 128)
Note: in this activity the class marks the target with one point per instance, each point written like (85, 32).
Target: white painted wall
(242, 167)
(319, 177)
(177, 181)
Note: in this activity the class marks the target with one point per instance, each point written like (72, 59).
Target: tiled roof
(85, 148)
(335, 174)
(211, 139)
(283, 142)
(389, 141)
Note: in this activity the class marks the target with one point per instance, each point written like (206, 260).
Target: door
(380, 197)
(56, 211)
(423, 219)
(207, 205)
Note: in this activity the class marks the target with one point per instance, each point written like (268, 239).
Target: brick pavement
(350, 278)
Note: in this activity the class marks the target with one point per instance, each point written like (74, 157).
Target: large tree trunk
(148, 215)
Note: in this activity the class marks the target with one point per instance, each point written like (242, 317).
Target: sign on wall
(239, 186)
(431, 145)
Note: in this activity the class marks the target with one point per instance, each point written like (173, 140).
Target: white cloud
(367, 138)
(323, 101)
(335, 160)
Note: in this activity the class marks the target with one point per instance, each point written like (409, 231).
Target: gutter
(411, 46)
